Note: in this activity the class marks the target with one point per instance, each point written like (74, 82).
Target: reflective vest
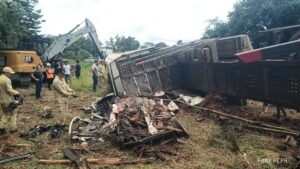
(49, 73)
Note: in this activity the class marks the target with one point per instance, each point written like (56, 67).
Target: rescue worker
(38, 76)
(62, 91)
(95, 72)
(49, 75)
(8, 116)
(102, 72)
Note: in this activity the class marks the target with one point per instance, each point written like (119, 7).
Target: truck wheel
(25, 80)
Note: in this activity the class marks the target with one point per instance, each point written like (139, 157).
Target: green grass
(209, 146)
(85, 82)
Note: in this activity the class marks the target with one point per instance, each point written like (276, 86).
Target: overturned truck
(227, 66)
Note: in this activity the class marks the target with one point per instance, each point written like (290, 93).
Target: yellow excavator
(24, 62)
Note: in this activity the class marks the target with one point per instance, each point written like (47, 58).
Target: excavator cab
(22, 55)
(22, 62)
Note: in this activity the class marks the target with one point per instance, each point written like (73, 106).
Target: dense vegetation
(122, 43)
(20, 18)
(81, 49)
(251, 16)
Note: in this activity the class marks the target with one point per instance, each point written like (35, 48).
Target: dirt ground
(209, 146)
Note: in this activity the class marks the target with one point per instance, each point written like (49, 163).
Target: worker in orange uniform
(49, 75)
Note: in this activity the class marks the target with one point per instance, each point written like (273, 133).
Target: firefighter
(8, 115)
(62, 91)
(49, 75)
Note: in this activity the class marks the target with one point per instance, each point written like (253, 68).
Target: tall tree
(179, 42)
(122, 43)
(81, 49)
(31, 19)
(147, 45)
(111, 44)
(251, 16)
(19, 17)
(216, 28)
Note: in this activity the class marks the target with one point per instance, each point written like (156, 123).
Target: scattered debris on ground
(47, 113)
(140, 130)
(129, 122)
(143, 124)
(56, 131)
(15, 158)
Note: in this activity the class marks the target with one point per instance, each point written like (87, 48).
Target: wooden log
(15, 158)
(253, 124)
(168, 128)
(100, 161)
(272, 130)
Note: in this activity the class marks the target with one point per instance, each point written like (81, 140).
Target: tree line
(20, 18)
(252, 16)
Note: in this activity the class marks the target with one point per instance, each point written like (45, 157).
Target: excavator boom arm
(63, 41)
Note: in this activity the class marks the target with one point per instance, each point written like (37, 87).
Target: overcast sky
(146, 20)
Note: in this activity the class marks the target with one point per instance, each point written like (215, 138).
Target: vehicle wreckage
(129, 122)
(141, 111)
(226, 66)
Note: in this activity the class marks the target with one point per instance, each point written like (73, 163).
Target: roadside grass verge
(85, 82)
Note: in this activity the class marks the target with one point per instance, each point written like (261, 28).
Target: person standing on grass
(57, 67)
(62, 91)
(77, 69)
(67, 69)
(102, 72)
(95, 72)
(8, 116)
(49, 75)
(38, 76)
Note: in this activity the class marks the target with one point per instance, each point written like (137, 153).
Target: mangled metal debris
(56, 131)
(129, 122)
